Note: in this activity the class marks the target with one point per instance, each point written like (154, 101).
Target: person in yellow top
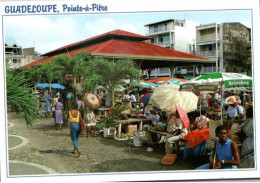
(75, 118)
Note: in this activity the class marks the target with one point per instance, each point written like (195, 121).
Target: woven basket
(160, 128)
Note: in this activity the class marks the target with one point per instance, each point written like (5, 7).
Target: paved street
(44, 150)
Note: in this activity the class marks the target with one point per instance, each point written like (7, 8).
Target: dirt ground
(52, 148)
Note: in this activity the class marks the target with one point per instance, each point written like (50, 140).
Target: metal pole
(216, 30)
(222, 95)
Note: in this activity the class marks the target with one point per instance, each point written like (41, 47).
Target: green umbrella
(141, 84)
(230, 80)
(119, 88)
(174, 81)
(226, 80)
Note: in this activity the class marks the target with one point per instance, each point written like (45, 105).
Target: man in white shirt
(126, 97)
(133, 100)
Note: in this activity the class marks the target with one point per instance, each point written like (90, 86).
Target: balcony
(211, 53)
(207, 38)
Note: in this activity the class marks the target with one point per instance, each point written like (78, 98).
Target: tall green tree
(109, 73)
(236, 53)
(20, 95)
(74, 66)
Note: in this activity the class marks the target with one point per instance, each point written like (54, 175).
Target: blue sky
(46, 33)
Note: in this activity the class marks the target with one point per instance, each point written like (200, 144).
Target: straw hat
(237, 97)
(230, 100)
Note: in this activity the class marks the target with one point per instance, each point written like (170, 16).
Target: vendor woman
(233, 109)
(225, 152)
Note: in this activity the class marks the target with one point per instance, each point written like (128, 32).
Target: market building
(118, 44)
(220, 42)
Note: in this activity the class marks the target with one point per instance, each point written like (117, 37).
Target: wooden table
(103, 109)
(165, 133)
(131, 120)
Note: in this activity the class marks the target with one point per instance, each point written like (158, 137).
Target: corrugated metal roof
(128, 49)
(114, 32)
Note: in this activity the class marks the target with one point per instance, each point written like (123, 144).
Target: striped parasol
(166, 96)
(91, 100)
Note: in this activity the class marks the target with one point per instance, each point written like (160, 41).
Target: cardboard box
(131, 129)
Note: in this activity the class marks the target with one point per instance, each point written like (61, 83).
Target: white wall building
(14, 55)
(175, 34)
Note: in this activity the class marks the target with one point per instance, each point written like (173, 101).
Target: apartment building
(30, 55)
(216, 42)
(14, 55)
(175, 34)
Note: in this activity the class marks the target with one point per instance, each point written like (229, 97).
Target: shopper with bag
(75, 127)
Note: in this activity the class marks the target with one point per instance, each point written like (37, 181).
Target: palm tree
(74, 66)
(19, 94)
(109, 73)
(33, 74)
(47, 71)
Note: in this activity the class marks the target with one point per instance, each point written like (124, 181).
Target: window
(155, 40)
(152, 40)
(160, 39)
(164, 70)
(156, 28)
(165, 26)
(210, 47)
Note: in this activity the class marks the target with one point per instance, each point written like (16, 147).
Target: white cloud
(47, 33)
(43, 33)
(104, 25)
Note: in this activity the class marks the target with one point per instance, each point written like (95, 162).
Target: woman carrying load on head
(75, 119)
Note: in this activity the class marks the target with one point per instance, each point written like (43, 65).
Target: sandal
(73, 152)
(78, 153)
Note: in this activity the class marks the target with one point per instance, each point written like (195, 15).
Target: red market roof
(122, 48)
(111, 33)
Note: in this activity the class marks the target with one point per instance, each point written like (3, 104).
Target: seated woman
(225, 152)
(202, 122)
(177, 126)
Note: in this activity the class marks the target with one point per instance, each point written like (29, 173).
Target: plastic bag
(248, 161)
(248, 128)
(247, 146)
